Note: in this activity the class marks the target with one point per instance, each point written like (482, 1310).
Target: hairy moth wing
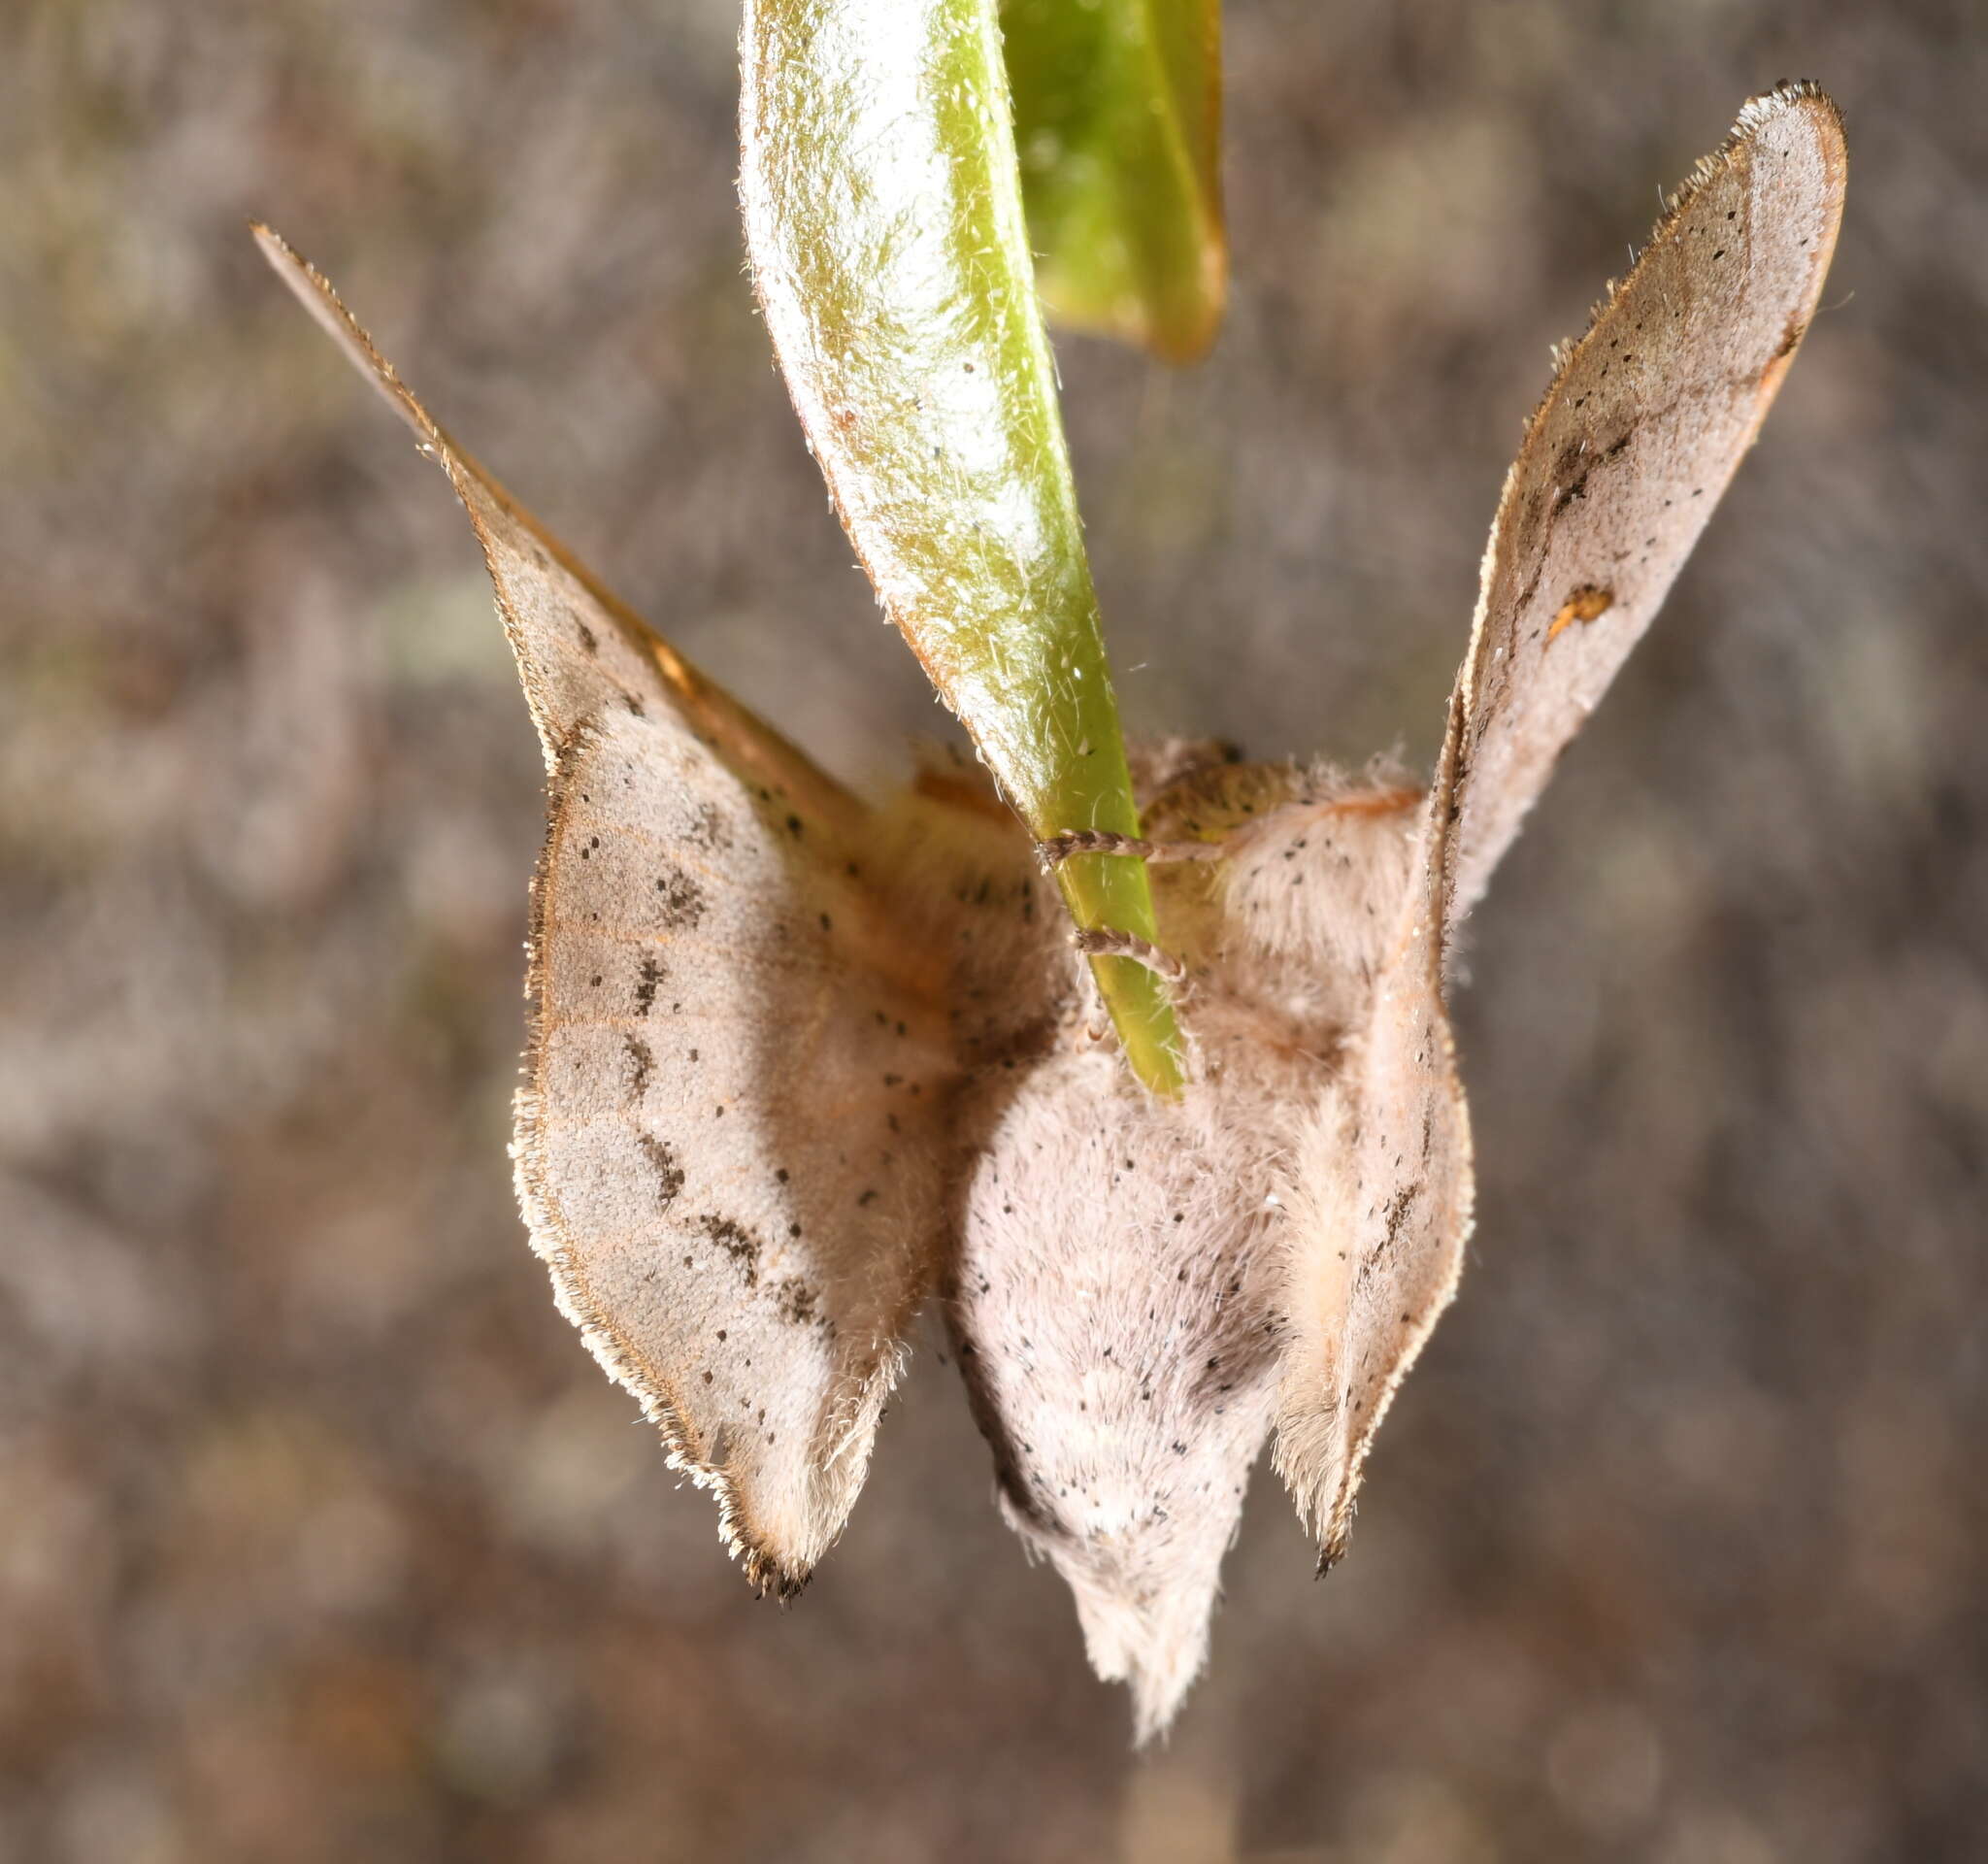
(1648, 417)
(733, 1133)
(1381, 1193)
(1645, 423)
(580, 647)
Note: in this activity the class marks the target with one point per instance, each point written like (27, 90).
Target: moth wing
(580, 647)
(1647, 417)
(731, 1135)
(729, 1142)
(1380, 1199)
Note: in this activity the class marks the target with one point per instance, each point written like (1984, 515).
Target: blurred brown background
(320, 1538)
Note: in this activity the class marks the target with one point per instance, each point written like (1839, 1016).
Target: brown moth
(797, 1063)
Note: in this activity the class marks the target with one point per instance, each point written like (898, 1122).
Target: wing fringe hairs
(899, 1082)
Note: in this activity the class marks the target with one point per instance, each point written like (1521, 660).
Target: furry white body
(1122, 1293)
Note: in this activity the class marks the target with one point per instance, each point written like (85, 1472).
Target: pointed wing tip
(275, 248)
(1791, 97)
(1794, 97)
(1803, 94)
(770, 1576)
(312, 288)
(314, 292)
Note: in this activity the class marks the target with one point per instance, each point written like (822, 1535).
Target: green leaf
(883, 215)
(1118, 114)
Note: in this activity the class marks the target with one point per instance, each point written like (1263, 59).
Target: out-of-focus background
(320, 1536)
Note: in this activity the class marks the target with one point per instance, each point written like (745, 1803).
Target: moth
(799, 1062)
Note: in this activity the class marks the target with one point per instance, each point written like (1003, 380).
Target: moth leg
(1129, 944)
(1125, 945)
(1101, 841)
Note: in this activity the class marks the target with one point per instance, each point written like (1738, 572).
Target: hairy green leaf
(884, 216)
(1117, 115)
